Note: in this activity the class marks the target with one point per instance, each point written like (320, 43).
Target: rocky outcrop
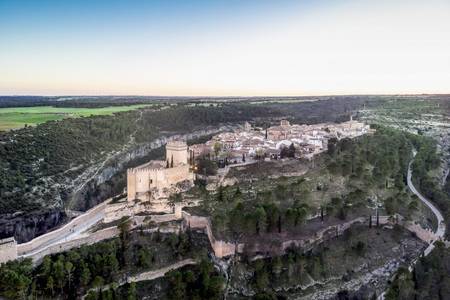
(26, 226)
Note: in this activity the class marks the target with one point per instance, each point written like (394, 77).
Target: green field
(17, 117)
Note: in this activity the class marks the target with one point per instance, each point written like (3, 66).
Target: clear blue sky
(224, 47)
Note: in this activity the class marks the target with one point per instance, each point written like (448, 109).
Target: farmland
(17, 117)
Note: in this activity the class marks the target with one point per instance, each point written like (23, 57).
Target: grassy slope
(16, 117)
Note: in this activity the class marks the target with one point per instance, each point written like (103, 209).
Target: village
(272, 142)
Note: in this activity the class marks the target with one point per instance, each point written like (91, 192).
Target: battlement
(151, 166)
(176, 144)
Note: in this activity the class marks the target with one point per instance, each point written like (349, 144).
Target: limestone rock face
(27, 226)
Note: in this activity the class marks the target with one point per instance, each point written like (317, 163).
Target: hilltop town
(247, 198)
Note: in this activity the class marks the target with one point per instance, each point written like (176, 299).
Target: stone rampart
(89, 239)
(223, 248)
(81, 222)
(220, 248)
(8, 249)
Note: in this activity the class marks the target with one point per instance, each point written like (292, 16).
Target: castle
(154, 179)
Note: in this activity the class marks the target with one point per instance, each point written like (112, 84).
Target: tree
(58, 272)
(177, 286)
(132, 294)
(260, 219)
(144, 258)
(332, 146)
(220, 194)
(288, 151)
(98, 282)
(261, 276)
(124, 228)
(69, 269)
(217, 148)
(50, 286)
(85, 276)
(111, 265)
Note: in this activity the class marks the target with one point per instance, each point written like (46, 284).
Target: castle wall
(90, 239)
(142, 181)
(8, 249)
(81, 222)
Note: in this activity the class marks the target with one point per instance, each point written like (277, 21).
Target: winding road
(440, 231)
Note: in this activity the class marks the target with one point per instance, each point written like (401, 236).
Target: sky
(224, 48)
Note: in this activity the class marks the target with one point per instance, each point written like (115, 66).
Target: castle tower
(177, 151)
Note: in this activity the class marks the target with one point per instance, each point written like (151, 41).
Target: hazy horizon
(224, 48)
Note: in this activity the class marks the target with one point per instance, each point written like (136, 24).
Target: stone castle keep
(154, 179)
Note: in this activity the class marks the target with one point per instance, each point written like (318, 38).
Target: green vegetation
(17, 117)
(72, 273)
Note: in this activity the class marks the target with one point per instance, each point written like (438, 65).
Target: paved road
(440, 231)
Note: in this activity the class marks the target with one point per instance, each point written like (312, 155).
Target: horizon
(224, 48)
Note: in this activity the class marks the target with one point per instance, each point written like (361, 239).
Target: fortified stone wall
(8, 249)
(224, 248)
(220, 248)
(92, 216)
(140, 182)
(90, 239)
